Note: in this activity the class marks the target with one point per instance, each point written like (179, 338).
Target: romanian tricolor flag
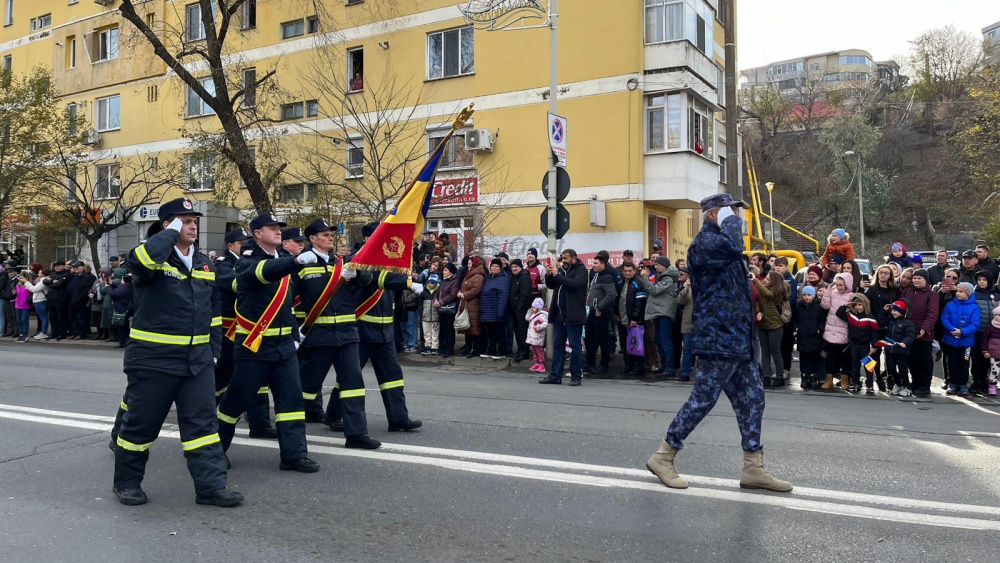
(885, 342)
(391, 245)
(868, 363)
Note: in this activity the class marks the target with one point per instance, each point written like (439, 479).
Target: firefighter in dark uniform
(266, 336)
(258, 415)
(292, 241)
(373, 299)
(329, 336)
(174, 343)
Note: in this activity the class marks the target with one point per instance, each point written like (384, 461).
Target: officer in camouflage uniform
(721, 325)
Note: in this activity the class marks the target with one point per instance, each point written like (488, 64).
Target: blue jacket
(722, 314)
(963, 315)
(494, 298)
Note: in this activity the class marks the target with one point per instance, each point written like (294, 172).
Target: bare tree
(944, 61)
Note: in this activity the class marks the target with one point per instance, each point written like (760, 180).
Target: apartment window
(68, 245)
(312, 108)
(41, 22)
(72, 111)
(71, 52)
(8, 63)
(296, 193)
(8, 12)
(152, 93)
(249, 87)
(663, 122)
(722, 169)
(720, 90)
(701, 128)
(195, 106)
(312, 24)
(292, 111)
(292, 29)
(201, 173)
(787, 68)
(450, 53)
(248, 14)
(855, 60)
(71, 183)
(71, 2)
(107, 184)
(355, 158)
(355, 70)
(455, 156)
(152, 163)
(195, 28)
(109, 113)
(105, 45)
(814, 67)
(846, 77)
(673, 20)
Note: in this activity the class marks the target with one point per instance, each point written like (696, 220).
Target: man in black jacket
(601, 301)
(79, 298)
(56, 296)
(520, 302)
(7, 289)
(567, 315)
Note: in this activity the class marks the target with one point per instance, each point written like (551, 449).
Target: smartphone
(548, 260)
(866, 277)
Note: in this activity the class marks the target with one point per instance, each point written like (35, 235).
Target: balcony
(680, 179)
(684, 64)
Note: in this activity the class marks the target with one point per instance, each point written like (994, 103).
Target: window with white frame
(107, 183)
(312, 108)
(71, 183)
(663, 122)
(8, 12)
(296, 193)
(71, 52)
(41, 22)
(355, 70)
(68, 245)
(722, 169)
(195, 106)
(787, 68)
(72, 113)
(248, 14)
(200, 172)
(673, 20)
(194, 28)
(856, 60)
(701, 128)
(292, 111)
(292, 29)
(312, 24)
(455, 156)
(249, 87)
(105, 45)
(355, 158)
(720, 89)
(450, 53)
(109, 113)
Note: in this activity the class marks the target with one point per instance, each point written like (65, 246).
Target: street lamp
(861, 201)
(770, 205)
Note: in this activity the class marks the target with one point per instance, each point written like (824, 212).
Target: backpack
(785, 311)
(410, 299)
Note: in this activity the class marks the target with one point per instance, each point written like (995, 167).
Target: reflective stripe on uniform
(281, 331)
(390, 385)
(229, 419)
(221, 391)
(126, 445)
(164, 267)
(332, 320)
(173, 339)
(216, 321)
(259, 271)
(309, 396)
(376, 320)
(289, 416)
(264, 390)
(203, 275)
(124, 407)
(314, 270)
(200, 442)
(381, 279)
(144, 259)
(351, 393)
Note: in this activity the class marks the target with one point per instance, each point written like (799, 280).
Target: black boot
(267, 433)
(223, 497)
(766, 381)
(364, 442)
(303, 465)
(407, 425)
(131, 496)
(778, 382)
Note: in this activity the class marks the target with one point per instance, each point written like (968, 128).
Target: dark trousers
(787, 343)
(389, 375)
(838, 358)
(123, 332)
(898, 367)
(978, 365)
(520, 333)
(315, 363)
(957, 359)
(598, 338)
(282, 377)
(635, 364)
(259, 413)
(496, 338)
(149, 397)
(922, 365)
(858, 352)
(59, 318)
(10, 317)
(809, 363)
(678, 337)
(446, 334)
(79, 319)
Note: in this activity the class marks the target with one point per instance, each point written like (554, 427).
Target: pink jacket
(836, 328)
(22, 299)
(537, 322)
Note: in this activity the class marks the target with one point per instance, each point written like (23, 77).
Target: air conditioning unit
(92, 138)
(104, 2)
(479, 140)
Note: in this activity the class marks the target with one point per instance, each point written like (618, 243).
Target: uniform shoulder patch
(207, 269)
(247, 252)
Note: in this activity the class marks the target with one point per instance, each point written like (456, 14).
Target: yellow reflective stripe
(377, 320)
(216, 321)
(172, 339)
(390, 385)
(221, 391)
(314, 270)
(229, 419)
(289, 416)
(331, 320)
(164, 267)
(281, 331)
(235, 289)
(124, 407)
(200, 442)
(309, 396)
(300, 314)
(203, 275)
(336, 385)
(264, 390)
(259, 271)
(381, 279)
(352, 393)
(144, 258)
(125, 444)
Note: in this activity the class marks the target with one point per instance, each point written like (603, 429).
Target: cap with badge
(720, 200)
(76, 264)
(175, 207)
(265, 219)
(969, 254)
(317, 226)
(237, 235)
(292, 233)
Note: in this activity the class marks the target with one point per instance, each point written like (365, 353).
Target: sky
(775, 30)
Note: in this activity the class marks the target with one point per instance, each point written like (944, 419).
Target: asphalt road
(506, 470)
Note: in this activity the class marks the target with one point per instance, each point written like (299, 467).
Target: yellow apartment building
(641, 85)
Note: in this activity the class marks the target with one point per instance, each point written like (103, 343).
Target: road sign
(557, 137)
(562, 184)
(562, 221)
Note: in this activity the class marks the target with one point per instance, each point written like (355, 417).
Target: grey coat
(662, 300)
(602, 292)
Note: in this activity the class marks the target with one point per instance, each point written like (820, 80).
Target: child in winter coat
(863, 333)
(991, 350)
(429, 316)
(22, 305)
(898, 255)
(809, 318)
(899, 338)
(838, 245)
(538, 320)
(961, 319)
(835, 334)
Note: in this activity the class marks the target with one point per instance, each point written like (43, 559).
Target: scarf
(995, 322)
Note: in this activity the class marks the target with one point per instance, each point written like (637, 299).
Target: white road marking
(507, 466)
(969, 403)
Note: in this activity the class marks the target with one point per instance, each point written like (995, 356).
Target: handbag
(448, 308)
(636, 346)
(118, 319)
(785, 311)
(462, 321)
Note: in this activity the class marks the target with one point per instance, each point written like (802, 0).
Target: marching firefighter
(374, 311)
(258, 415)
(265, 343)
(329, 336)
(175, 340)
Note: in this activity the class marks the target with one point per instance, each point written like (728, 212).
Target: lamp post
(861, 201)
(770, 205)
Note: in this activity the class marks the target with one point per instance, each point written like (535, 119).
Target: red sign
(455, 191)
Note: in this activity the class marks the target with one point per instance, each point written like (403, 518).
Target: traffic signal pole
(553, 106)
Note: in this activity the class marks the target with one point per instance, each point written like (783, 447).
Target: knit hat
(517, 262)
(497, 262)
(539, 304)
(815, 269)
(899, 306)
(663, 261)
(967, 288)
(840, 233)
(533, 252)
(897, 247)
(996, 310)
(809, 290)
(922, 273)
(451, 268)
(433, 279)
(837, 259)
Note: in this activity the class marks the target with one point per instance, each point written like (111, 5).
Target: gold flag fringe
(373, 268)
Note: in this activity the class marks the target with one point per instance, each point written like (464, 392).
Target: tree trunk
(95, 257)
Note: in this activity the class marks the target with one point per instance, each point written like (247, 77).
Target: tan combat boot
(845, 382)
(661, 464)
(828, 384)
(754, 476)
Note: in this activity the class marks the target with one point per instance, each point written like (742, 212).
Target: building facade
(641, 83)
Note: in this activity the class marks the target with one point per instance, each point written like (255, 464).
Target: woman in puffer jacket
(836, 343)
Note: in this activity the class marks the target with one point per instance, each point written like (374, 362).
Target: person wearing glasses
(946, 293)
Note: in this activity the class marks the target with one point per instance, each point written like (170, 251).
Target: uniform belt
(376, 320)
(244, 326)
(171, 339)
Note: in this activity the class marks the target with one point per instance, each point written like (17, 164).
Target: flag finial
(463, 117)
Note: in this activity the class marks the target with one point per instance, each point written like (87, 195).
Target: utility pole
(553, 107)
(733, 167)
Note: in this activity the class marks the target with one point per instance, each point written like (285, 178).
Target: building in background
(991, 41)
(641, 84)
